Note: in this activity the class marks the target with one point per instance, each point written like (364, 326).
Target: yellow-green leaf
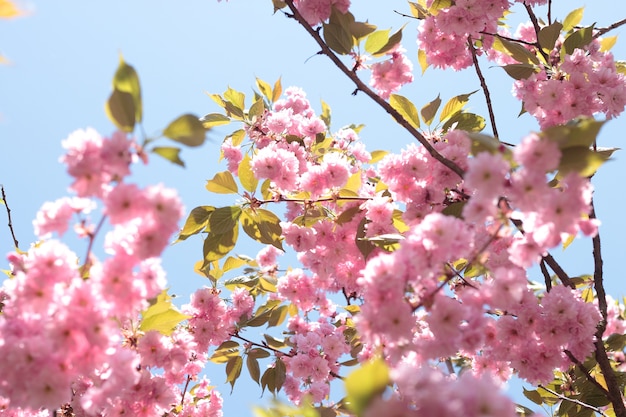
(519, 71)
(580, 159)
(233, 370)
(186, 129)
(264, 88)
(127, 80)
(606, 44)
(162, 316)
(377, 156)
(277, 91)
(8, 10)
(170, 153)
(214, 119)
(548, 35)
(418, 11)
(366, 383)
(120, 108)
(423, 60)
(325, 116)
(263, 226)
(376, 41)
(517, 51)
(253, 368)
(257, 108)
(246, 175)
(468, 122)
(454, 105)
(223, 219)
(196, 221)
(218, 245)
(406, 108)
(338, 38)
(578, 40)
(222, 183)
(573, 19)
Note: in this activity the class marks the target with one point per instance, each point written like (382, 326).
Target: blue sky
(64, 55)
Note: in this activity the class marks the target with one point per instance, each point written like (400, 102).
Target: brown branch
(546, 275)
(483, 84)
(361, 86)
(572, 400)
(10, 224)
(609, 28)
(560, 272)
(533, 19)
(586, 371)
(615, 394)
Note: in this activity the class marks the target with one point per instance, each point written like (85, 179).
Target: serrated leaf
(186, 129)
(246, 175)
(572, 19)
(519, 71)
(406, 108)
(170, 153)
(268, 380)
(578, 39)
(548, 36)
(224, 219)
(218, 245)
(196, 221)
(120, 109)
(454, 105)
(214, 119)
(127, 80)
(359, 30)
(253, 368)
(263, 226)
(222, 183)
(429, 111)
(468, 122)
(162, 316)
(366, 383)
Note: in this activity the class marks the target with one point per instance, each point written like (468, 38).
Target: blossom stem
(4, 199)
(361, 86)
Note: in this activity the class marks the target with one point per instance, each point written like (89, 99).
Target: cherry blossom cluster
(316, 12)
(390, 75)
(72, 328)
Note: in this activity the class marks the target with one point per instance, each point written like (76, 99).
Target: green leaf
(573, 19)
(120, 109)
(468, 122)
(365, 246)
(172, 154)
(263, 226)
(516, 51)
(196, 221)
(347, 215)
(376, 41)
(233, 370)
(127, 81)
(578, 39)
(218, 245)
(257, 108)
(214, 119)
(186, 129)
(325, 116)
(268, 380)
(338, 38)
(533, 396)
(253, 368)
(366, 383)
(162, 316)
(580, 159)
(258, 353)
(454, 105)
(582, 132)
(264, 88)
(423, 60)
(222, 183)
(519, 71)
(359, 30)
(548, 36)
(406, 108)
(224, 219)
(226, 351)
(246, 175)
(429, 111)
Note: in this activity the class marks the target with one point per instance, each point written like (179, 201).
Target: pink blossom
(390, 75)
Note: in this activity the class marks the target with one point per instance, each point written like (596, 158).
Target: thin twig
(182, 398)
(361, 86)
(560, 272)
(6, 204)
(533, 19)
(586, 371)
(572, 400)
(483, 84)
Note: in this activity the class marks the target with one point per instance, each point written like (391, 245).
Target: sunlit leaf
(573, 19)
(196, 221)
(377, 156)
(170, 153)
(578, 40)
(233, 370)
(186, 129)
(218, 245)
(606, 44)
(246, 175)
(264, 88)
(376, 41)
(224, 219)
(468, 122)
(325, 116)
(222, 183)
(454, 105)
(263, 226)
(516, 51)
(337, 37)
(429, 111)
(519, 71)
(162, 316)
(423, 60)
(127, 80)
(253, 368)
(224, 352)
(8, 10)
(214, 119)
(406, 108)
(580, 159)
(548, 35)
(366, 383)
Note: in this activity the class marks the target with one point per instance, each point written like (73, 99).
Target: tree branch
(572, 400)
(361, 86)
(483, 84)
(609, 28)
(6, 204)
